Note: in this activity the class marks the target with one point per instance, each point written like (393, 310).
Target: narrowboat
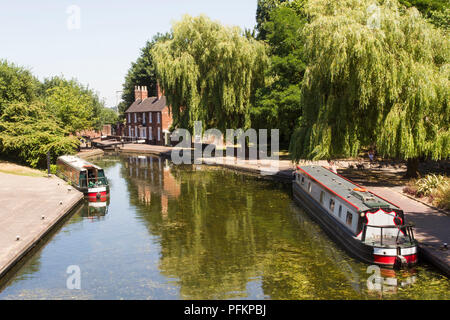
(369, 227)
(84, 176)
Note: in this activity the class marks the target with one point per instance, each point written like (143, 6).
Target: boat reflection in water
(95, 210)
(383, 282)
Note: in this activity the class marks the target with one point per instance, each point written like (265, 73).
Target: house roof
(346, 189)
(149, 104)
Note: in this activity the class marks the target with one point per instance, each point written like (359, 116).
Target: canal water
(198, 232)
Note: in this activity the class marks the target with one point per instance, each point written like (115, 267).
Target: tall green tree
(76, 106)
(263, 10)
(141, 73)
(209, 73)
(376, 76)
(28, 131)
(278, 106)
(16, 84)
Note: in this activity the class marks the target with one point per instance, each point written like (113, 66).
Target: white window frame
(136, 132)
(151, 117)
(159, 117)
(129, 118)
(143, 117)
(159, 133)
(129, 130)
(150, 131)
(144, 133)
(135, 117)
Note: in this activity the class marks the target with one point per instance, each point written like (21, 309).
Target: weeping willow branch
(373, 80)
(209, 73)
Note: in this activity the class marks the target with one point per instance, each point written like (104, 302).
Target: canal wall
(30, 207)
(86, 154)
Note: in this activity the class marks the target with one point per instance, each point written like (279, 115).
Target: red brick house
(148, 118)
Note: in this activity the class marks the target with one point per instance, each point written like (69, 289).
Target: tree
(278, 106)
(29, 131)
(209, 73)
(263, 10)
(141, 73)
(108, 116)
(426, 6)
(373, 81)
(436, 11)
(16, 84)
(75, 106)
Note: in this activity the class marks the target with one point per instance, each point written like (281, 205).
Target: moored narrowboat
(369, 227)
(84, 176)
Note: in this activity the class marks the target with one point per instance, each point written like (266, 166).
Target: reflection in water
(194, 232)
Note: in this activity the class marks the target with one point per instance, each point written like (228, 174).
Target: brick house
(148, 118)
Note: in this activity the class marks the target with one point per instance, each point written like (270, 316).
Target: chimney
(137, 93)
(144, 93)
(158, 90)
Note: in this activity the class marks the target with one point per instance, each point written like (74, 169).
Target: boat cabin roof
(78, 163)
(357, 196)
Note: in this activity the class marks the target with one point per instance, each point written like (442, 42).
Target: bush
(441, 198)
(53, 169)
(435, 187)
(411, 190)
(430, 183)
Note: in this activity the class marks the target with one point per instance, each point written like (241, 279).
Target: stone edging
(424, 203)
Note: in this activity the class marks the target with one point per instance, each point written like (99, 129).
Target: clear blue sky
(35, 34)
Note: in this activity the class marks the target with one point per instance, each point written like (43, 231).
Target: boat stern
(396, 257)
(97, 194)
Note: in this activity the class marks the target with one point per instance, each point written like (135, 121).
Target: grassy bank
(12, 168)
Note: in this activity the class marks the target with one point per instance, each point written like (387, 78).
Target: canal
(198, 232)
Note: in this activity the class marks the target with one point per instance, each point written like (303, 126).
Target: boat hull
(95, 194)
(345, 238)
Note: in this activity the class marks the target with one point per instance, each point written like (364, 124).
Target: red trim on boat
(367, 220)
(329, 189)
(390, 260)
(94, 194)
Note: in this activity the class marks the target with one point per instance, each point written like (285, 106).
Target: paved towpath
(24, 200)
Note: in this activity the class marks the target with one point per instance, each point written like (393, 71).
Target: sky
(95, 41)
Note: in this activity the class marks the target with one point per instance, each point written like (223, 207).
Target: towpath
(30, 206)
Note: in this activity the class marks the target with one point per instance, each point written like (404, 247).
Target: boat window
(303, 180)
(309, 187)
(340, 211)
(83, 180)
(349, 218)
(322, 194)
(332, 205)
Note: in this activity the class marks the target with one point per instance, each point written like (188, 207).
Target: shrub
(442, 197)
(430, 183)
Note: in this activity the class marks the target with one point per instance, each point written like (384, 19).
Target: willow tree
(377, 76)
(209, 73)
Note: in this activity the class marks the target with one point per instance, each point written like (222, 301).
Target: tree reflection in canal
(221, 232)
(198, 232)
